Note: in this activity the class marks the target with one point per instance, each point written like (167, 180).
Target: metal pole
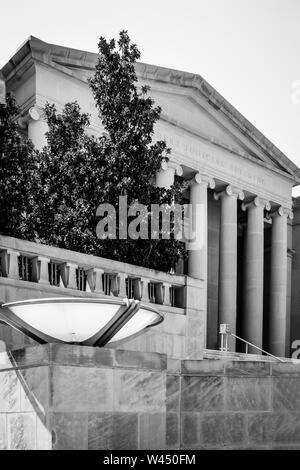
(224, 331)
(257, 347)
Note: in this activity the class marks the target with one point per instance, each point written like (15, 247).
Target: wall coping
(58, 354)
(236, 368)
(61, 254)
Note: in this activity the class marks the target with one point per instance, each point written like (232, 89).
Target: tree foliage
(17, 162)
(75, 172)
(65, 187)
(129, 115)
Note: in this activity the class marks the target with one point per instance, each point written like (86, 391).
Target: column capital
(169, 165)
(256, 202)
(203, 180)
(281, 211)
(230, 191)
(166, 174)
(33, 114)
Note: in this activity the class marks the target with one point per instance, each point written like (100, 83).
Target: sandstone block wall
(72, 397)
(215, 404)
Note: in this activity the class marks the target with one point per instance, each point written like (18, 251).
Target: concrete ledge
(173, 366)
(250, 369)
(285, 369)
(204, 367)
(80, 356)
(230, 368)
(140, 360)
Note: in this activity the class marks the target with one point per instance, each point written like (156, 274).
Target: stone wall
(74, 397)
(215, 404)
(295, 306)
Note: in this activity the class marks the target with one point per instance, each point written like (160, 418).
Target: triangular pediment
(187, 101)
(187, 112)
(187, 109)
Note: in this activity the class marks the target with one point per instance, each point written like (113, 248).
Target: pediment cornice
(74, 62)
(197, 85)
(227, 148)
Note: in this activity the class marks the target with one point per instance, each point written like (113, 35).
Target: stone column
(37, 127)
(254, 273)
(197, 258)
(165, 177)
(228, 257)
(278, 283)
(295, 317)
(290, 255)
(197, 246)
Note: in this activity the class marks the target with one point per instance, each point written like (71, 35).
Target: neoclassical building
(242, 273)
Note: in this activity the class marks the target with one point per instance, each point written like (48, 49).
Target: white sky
(249, 50)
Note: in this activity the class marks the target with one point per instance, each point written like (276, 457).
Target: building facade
(242, 275)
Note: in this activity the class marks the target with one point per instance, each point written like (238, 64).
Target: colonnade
(253, 289)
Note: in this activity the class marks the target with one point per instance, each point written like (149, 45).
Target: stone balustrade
(31, 270)
(55, 268)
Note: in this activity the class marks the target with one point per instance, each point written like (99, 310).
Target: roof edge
(46, 52)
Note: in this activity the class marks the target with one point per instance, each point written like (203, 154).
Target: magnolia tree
(128, 115)
(65, 187)
(17, 164)
(76, 172)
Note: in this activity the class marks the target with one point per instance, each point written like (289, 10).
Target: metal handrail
(224, 330)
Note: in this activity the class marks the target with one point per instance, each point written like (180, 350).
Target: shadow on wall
(24, 403)
(13, 339)
(60, 396)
